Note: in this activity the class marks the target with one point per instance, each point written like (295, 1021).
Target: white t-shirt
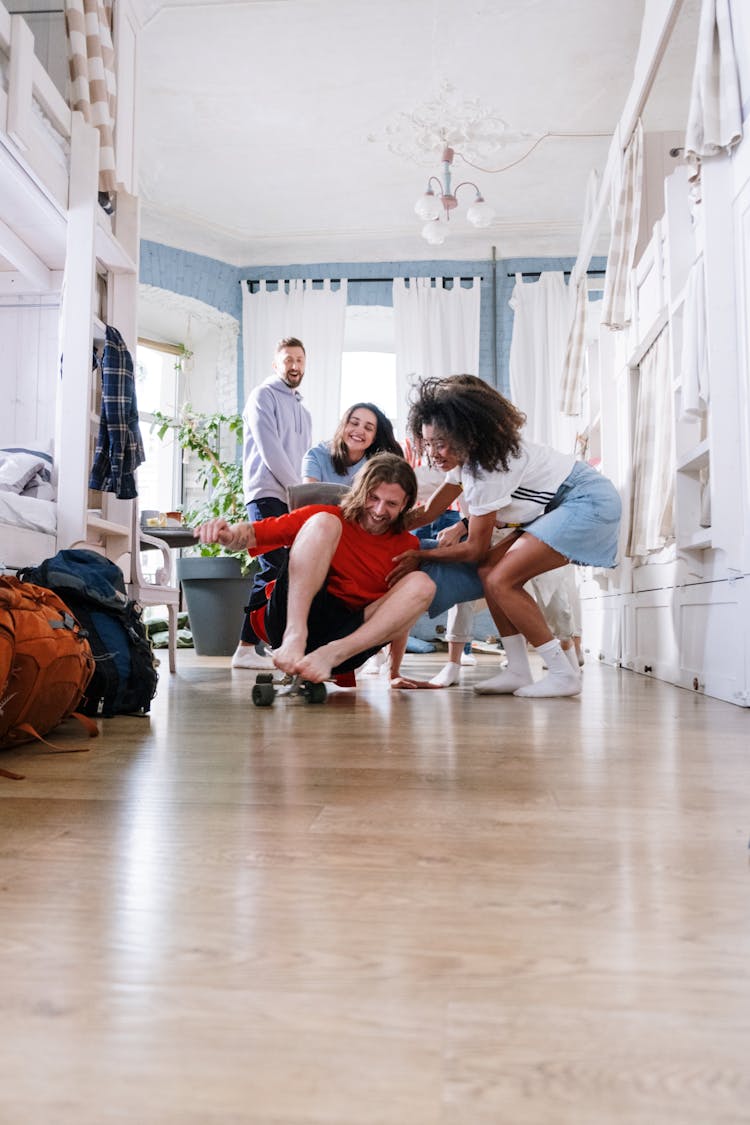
(521, 494)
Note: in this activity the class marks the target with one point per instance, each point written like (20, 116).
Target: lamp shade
(433, 233)
(428, 206)
(480, 214)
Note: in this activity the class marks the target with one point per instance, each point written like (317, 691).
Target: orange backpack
(45, 663)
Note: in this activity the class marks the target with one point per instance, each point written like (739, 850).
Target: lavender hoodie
(278, 432)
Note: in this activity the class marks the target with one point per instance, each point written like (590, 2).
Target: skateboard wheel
(263, 695)
(264, 678)
(315, 693)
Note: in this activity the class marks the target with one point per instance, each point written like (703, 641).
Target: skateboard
(265, 690)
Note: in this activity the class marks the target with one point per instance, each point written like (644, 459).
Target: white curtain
(715, 117)
(317, 317)
(694, 369)
(624, 235)
(651, 517)
(436, 329)
(571, 378)
(571, 374)
(537, 353)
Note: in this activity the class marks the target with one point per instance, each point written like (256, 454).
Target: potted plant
(215, 582)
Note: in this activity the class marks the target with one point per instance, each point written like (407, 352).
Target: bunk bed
(53, 230)
(678, 604)
(35, 135)
(28, 516)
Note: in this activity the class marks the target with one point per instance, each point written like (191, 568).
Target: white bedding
(26, 494)
(27, 512)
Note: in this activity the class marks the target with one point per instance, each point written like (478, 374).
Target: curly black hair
(385, 440)
(483, 428)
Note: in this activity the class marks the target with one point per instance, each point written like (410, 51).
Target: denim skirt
(582, 521)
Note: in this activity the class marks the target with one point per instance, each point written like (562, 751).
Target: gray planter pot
(215, 595)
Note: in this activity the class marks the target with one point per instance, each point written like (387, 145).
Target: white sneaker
(468, 659)
(246, 657)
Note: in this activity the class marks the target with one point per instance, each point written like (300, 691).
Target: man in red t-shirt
(332, 607)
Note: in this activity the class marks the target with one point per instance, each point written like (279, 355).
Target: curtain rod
(162, 346)
(350, 280)
(566, 273)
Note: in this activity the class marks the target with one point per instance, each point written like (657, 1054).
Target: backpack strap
(88, 724)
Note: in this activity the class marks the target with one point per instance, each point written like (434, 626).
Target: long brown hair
(385, 441)
(383, 468)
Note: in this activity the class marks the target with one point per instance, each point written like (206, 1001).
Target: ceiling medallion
(475, 133)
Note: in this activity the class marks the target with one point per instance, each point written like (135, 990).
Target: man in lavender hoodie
(278, 433)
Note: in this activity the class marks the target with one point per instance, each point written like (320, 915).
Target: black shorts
(328, 620)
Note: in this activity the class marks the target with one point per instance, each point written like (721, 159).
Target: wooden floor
(420, 908)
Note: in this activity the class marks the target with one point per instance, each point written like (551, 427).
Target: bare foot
(316, 667)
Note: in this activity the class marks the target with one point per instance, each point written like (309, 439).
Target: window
(369, 377)
(368, 366)
(159, 477)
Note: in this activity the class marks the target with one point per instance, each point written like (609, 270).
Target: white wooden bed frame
(50, 225)
(35, 142)
(681, 615)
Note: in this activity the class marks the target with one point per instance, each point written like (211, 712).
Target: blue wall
(218, 284)
(192, 275)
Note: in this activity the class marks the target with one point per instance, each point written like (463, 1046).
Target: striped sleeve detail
(533, 496)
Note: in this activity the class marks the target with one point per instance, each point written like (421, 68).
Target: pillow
(40, 489)
(19, 466)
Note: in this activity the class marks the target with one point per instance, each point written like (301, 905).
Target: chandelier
(440, 198)
(448, 126)
(444, 127)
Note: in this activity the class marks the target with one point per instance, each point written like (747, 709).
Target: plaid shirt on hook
(119, 446)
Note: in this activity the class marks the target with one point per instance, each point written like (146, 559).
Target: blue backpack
(93, 589)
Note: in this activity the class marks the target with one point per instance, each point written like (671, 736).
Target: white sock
(515, 676)
(572, 656)
(448, 675)
(563, 678)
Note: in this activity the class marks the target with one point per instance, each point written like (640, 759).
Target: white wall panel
(28, 374)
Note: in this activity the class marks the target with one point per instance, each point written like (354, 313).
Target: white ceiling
(256, 120)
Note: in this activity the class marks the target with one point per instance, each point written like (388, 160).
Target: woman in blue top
(363, 431)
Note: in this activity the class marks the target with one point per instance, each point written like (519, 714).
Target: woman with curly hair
(559, 510)
(363, 431)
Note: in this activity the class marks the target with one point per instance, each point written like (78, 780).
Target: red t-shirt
(361, 561)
